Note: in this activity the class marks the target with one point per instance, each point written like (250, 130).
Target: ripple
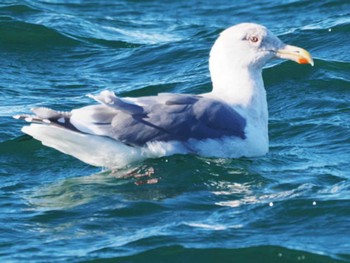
(18, 9)
(18, 34)
(248, 254)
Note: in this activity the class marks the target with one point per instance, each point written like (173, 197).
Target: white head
(249, 45)
(238, 56)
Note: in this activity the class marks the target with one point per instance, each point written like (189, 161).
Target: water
(291, 205)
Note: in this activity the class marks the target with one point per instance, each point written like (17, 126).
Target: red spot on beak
(303, 61)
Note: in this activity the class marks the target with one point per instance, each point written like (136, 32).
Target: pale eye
(253, 39)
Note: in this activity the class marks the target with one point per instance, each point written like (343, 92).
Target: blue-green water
(293, 205)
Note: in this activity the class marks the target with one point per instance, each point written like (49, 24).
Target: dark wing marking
(49, 117)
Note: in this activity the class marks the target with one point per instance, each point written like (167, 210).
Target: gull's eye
(253, 39)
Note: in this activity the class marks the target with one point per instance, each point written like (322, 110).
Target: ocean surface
(292, 205)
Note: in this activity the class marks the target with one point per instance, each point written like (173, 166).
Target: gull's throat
(239, 87)
(243, 90)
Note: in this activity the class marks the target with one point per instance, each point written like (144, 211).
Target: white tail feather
(91, 149)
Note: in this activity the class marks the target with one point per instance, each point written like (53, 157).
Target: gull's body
(230, 121)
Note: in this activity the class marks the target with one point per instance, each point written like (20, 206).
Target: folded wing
(166, 117)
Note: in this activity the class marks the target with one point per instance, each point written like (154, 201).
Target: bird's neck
(241, 87)
(244, 90)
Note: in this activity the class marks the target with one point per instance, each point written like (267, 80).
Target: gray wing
(165, 117)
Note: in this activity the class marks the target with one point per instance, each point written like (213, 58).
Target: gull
(231, 121)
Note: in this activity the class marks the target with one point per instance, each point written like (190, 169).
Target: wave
(54, 31)
(310, 4)
(19, 146)
(324, 70)
(110, 43)
(18, 9)
(24, 35)
(264, 253)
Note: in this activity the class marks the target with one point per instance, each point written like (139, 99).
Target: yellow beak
(296, 54)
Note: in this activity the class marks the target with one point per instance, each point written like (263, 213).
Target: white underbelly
(105, 152)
